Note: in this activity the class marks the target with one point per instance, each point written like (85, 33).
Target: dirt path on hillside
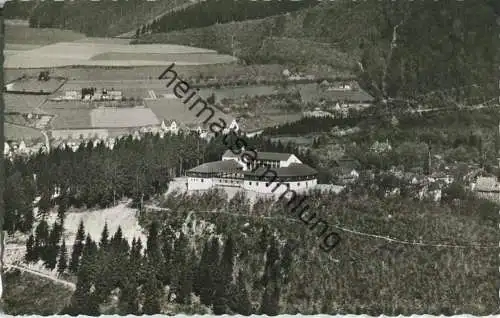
(71, 285)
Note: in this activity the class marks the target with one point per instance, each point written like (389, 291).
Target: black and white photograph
(250, 157)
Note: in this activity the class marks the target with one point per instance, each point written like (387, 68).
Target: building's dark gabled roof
(346, 163)
(217, 167)
(273, 156)
(293, 170)
(342, 171)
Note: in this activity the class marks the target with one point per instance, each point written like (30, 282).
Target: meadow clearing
(33, 85)
(18, 132)
(109, 54)
(20, 103)
(194, 74)
(45, 48)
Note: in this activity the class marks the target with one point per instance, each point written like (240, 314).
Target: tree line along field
(188, 72)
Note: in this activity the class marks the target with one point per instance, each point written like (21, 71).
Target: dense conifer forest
(251, 258)
(96, 18)
(99, 177)
(207, 254)
(403, 50)
(212, 12)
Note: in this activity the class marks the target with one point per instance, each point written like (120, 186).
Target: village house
(168, 125)
(487, 188)
(346, 170)
(349, 94)
(379, 147)
(317, 113)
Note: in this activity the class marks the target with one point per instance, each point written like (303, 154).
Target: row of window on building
(250, 182)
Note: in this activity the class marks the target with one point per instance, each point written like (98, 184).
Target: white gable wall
(291, 159)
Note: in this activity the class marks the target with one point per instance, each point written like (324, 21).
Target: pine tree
(44, 204)
(63, 259)
(136, 252)
(52, 248)
(41, 239)
(153, 253)
(77, 249)
(152, 296)
(223, 282)
(61, 211)
(202, 282)
(272, 259)
(240, 302)
(209, 272)
(104, 237)
(129, 303)
(270, 300)
(227, 263)
(287, 260)
(30, 250)
(116, 240)
(185, 282)
(168, 238)
(84, 301)
(179, 256)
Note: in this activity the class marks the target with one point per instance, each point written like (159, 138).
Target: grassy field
(21, 47)
(16, 119)
(27, 294)
(238, 92)
(33, 85)
(111, 117)
(53, 107)
(201, 58)
(22, 34)
(188, 72)
(17, 132)
(18, 103)
(174, 109)
(73, 118)
(110, 54)
(136, 89)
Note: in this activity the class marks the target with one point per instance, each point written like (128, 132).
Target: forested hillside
(211, 12)
(97, 176)
(206, 254)
(98, 18)
(18, 9)
(403, 49)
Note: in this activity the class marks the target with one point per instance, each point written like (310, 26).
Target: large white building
(269, 173)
